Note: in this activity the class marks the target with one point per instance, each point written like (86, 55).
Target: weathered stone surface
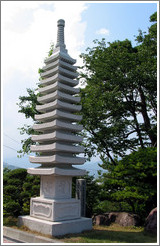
(101, 220)
(121, 218)
(56, 187)
(55, 212)
(56, 228)
(57, 114)
(57, 147)
(58, 95)
(151, 222)
(81, 195)
(127, 219)
(61, 70)
(61, 78)
(59, 63)
(57, 121)
(57, 171)
(57, 159)
(112, 216)
(59, 86)
(55, 209)
(58, 104)
(60, 125)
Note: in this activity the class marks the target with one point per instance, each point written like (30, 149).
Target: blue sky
(27, 30)
(122, 20)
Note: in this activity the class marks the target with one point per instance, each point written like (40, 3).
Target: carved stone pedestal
(56, 187)
(55, 210)
(57, 141)
(56, 228)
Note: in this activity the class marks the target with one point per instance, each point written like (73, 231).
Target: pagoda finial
(60, 33)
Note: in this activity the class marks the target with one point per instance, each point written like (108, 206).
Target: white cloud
(28, 27)
(102, 31)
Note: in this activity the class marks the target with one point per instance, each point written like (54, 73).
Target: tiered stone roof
(55, 212)
(57, 139)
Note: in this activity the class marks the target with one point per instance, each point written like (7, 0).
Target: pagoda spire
(60, 33)
(55, 212)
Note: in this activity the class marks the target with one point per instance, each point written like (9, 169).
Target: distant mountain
(19, 162)
(12, 167)
(92, 167)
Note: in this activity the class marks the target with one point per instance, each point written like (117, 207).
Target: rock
(121, 218)
(151, 222)
(127, 219)
(112, 216)
(101, 220)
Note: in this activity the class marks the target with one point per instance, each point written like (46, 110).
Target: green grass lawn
(100, 234)
(111, 234)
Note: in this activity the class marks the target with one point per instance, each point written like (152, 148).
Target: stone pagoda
(55, 212)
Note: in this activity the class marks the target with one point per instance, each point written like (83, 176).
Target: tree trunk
(146, 119)
(132, 109)
(105, 147)
(138, 129)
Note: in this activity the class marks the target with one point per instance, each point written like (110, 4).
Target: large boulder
(101, 220)
(127, 219)
(121, 218)
(151, 222)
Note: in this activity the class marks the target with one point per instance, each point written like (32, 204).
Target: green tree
(148, 56)
(30, 188)
(27, 106)
(119, 98)
(119, 108)
(132, 180)
(18, 188)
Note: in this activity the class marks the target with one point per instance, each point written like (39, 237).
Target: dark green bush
(18, 188)
(132, 182)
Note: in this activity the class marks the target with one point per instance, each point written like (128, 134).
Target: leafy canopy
(18, 188)
(119, 99)
(133, 180)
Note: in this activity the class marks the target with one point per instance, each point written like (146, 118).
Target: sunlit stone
(55, 212)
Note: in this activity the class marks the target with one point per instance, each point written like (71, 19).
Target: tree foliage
(119, 109)
(18, 188)
(119, 101)
(119, 98)
(132, 180)
(27, 106)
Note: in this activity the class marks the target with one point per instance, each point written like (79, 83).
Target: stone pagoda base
(55, 209)
(56, 228)
(55, 213)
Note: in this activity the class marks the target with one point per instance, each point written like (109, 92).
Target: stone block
(55, 187)
(57, 147)
(57, 171)
(55, 228)
(58, 104)
(58, 86)
(55, 210)
(57, 159)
